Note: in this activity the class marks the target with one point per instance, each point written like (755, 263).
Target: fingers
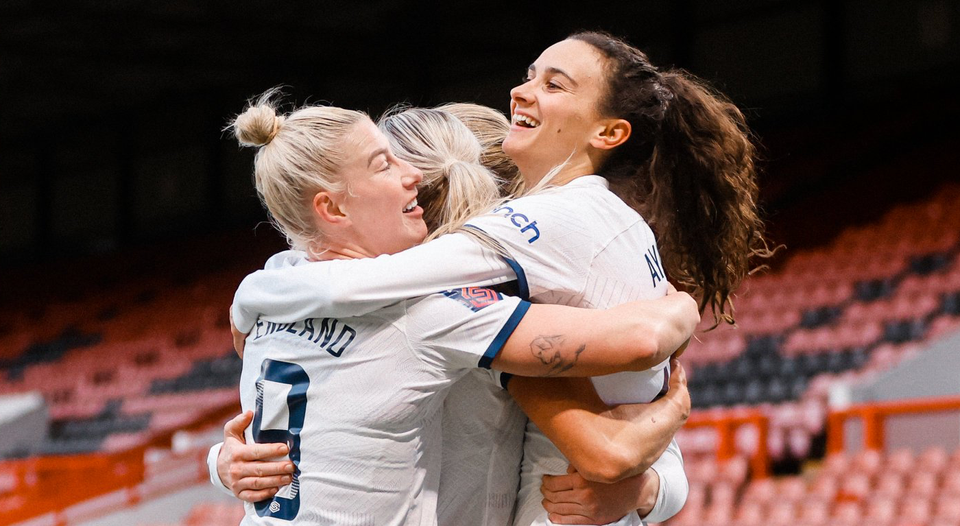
(563, 508)
(569, 519)
(257, 470)
(563, 497)
(239, 338)
(254, 452)
(256, 485)
(256, 496)
(560, 482)
(678, 375)
(234, 428)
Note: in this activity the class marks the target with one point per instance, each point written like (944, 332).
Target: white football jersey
(359, 402)
(577, 244)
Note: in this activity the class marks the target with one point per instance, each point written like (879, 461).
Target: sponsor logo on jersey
(521, 221)
(475, 298)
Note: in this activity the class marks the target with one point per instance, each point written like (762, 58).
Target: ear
(613, 133)
(327, 207)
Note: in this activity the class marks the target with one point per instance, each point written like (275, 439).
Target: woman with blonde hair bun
(355, 400)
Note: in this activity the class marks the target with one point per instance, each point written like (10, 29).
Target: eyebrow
(375, 154)
(553, 71)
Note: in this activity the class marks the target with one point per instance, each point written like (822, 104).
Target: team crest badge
(475, 298)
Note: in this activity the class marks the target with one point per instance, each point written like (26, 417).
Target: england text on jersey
(329, 333)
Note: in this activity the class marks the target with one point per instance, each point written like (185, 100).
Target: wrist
(649, 491)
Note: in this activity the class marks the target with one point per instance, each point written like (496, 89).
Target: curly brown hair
(688, 168)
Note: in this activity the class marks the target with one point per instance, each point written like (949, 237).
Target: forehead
(577, 58)
(363, 137)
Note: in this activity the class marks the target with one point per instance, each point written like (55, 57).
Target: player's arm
(553, 340)
(604, 444)
(348, 288)
(656, 495)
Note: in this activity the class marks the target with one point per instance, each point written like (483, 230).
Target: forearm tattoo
(549, 350)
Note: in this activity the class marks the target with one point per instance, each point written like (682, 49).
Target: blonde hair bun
(258, 125)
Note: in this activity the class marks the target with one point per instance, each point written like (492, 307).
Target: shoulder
(466, 299)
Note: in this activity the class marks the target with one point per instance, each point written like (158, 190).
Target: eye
(553, 85)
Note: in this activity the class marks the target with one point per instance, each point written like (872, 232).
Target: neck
(331, 251)
(575, 167)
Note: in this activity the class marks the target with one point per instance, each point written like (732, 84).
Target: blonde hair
(490, 128)
(299, 155)
(456, 186)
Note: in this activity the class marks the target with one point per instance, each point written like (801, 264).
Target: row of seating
(899, 488)
(119, 359)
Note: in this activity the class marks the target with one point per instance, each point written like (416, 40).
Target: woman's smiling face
(555, 113)
(381, 196)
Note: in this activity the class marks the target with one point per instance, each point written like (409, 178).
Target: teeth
(529, 121)
(410, 206)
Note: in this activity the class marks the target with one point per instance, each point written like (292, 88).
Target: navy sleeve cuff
(498, 342)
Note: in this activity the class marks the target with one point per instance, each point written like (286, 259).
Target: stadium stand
(897, 488)
(849, 310)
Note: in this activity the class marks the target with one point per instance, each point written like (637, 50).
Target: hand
(571, 499)
(244, 469)
(677, 390)
(239, 338)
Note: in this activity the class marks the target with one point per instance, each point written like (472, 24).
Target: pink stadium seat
(951, 482)
(723, 493)
(889, 484)
(815, 511)
(948, 509)
(799, 442)
(880, 511)
(868, 462)
(792, 489)
(824, 487)
(836, 464)
(923, 485)
(761, 490)
(782, 513)
(856, 487)
(847, 512)
(915, 511)
(749, 513)
(933, 460)
(942, 325)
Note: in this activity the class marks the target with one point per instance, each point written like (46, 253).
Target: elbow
(649, 346)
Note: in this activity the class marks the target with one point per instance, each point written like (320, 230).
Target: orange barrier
(54, 483)
(726, 425)
(874, 415)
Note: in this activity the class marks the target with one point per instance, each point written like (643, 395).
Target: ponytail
(456, 186)
(688, 168)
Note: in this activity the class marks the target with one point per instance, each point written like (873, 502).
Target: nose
(522, 94)
(411, 176)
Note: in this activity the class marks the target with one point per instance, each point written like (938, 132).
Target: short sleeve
(463, 328)
(548, 250)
